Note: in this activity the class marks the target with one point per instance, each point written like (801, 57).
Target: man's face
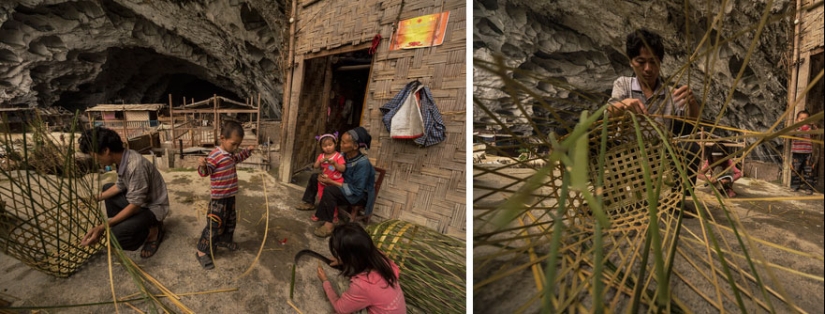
(800, 117)
(104, 158)
(646, 67)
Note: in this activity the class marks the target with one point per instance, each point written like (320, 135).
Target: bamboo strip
(266, 230)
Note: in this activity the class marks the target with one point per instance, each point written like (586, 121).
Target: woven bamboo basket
(49, 240)
(43, 214)
(628, 155)
(432, 265)
(624, 192)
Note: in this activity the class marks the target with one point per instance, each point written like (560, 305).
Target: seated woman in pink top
(722, 175)
(373, 277)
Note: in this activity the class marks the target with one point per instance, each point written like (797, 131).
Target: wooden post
(258, 134)
(125, 137)
(217, 125)
(172, 118)
(288, 121)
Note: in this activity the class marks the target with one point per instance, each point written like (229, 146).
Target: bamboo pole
(792, 89)
(258, 125)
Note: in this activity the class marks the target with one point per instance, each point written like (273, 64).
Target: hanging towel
(419, 95)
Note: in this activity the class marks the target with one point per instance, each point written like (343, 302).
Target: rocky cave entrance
(140, 75)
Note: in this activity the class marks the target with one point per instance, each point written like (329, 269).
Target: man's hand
(683, 95)
(321, 274)
(631, 104)
(202, 162)
(250, 148)
(93, 236)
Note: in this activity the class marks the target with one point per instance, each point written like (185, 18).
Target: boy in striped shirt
(220, 167)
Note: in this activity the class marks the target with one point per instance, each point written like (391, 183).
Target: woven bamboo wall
(311, 113)
(812, 27)
(423, 185)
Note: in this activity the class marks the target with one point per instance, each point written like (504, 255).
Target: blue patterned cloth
(434, 129)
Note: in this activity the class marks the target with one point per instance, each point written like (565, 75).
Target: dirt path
(264, 290)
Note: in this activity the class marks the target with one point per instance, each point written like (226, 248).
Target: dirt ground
(793, 224)
(264, 290)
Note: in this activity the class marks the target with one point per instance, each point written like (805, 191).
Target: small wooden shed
(128, 120)
(807, 64)
(338, 80)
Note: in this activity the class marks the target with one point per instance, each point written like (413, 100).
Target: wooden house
(338, 79)
(807, 64)
(16, 118)
(128, 120)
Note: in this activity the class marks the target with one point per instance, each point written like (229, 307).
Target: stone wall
(581, 44)
(77, 54)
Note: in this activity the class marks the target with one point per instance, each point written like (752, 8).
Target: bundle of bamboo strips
(432, 265)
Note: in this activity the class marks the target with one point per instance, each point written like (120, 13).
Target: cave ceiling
(77, 54)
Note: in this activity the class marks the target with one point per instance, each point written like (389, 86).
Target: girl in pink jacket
(722, 175)
(373, 277)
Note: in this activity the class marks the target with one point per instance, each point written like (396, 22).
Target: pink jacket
(736, 172)
(368, 290)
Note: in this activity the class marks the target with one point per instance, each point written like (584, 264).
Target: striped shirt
(220, 167)
(802, 146)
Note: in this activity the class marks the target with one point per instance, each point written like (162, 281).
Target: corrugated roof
(126, 107)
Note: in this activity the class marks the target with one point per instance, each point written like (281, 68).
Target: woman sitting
(373, 277)
(358, 187)
(722, 175)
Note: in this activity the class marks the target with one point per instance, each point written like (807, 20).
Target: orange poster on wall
(422, 31)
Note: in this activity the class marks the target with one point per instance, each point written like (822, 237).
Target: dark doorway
(331, 100)
(350, 76)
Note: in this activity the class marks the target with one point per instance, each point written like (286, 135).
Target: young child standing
(220, 167)
(332, 164)
(801, 150)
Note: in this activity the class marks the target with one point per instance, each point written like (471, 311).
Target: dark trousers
(132, 232)
(333, 196)
(802, 173)
(311, 190)
(220, 224)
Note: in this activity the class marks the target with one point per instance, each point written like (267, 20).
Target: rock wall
(77, 54)
(581, 43)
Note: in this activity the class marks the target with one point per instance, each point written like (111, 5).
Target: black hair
(801, 112)
(644, 38)
(231, 127)
(354, 248)
(718, 149)
(97, 139)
